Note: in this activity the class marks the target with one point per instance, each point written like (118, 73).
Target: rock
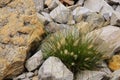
(53, 27)
(22, 76)
(39, 4)
(54, 69)
(107, 40)
(94, 5)
(96, 20)
(3, 3)
(35, 61)
(42, 18)
(79, 12)
(106, 8)
(90, 75)
(107, 16)
(47, 16)
(98, 6)
(105, 68)
(115, 19)
(60, 14)
(118, 9)
(36, 72)
(114, 6)
(84, 27)
(115, 75)
(29, 74)
(114, 62)
(51, 4)
(20, 35)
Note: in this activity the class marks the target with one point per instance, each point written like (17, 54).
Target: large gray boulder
(54, 69)
(108, 40)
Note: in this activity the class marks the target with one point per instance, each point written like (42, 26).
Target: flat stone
(35, 61)
(115, 19)
(19, 35)
(98, 6)
(54, 69)
(79, 12)
(60, 14)
(95, 5)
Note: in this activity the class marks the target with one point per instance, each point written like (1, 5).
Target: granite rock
(21, 31)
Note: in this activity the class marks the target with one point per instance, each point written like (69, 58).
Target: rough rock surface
(118, 9)
(94, 5)
(39, 5)
(54, 69)
(24, 76)
(35, 61)
(114, 62)
(115, 75)
(60, 14)
(19, 31)
(4, 2)
(90, 75)
(79, 12)
(115, 19)
(107, 40)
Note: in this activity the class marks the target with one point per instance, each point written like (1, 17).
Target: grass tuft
(75, 50)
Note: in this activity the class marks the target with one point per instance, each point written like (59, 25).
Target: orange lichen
(114, 63)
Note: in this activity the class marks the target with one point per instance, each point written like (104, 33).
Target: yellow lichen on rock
(114, 63)
(20, 31)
